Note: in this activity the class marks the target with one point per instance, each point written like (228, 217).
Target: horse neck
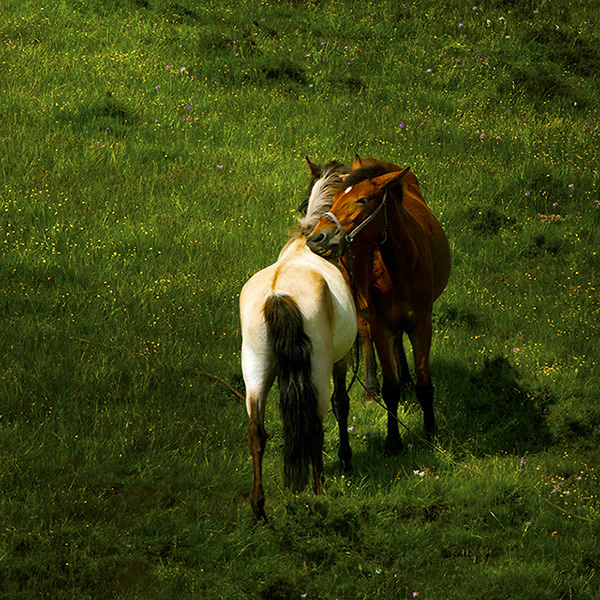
(399, 251)
(390, 259)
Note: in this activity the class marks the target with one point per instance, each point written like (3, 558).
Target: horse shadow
(488, 408)
(481, 409)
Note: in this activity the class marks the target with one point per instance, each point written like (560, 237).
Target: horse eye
(362, 200)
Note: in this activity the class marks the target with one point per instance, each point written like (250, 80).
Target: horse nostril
(317, 239)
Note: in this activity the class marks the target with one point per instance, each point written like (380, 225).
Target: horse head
(360, 208)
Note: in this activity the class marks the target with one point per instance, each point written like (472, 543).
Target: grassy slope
(151, 162)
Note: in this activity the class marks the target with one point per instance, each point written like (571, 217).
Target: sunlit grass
(152, 161)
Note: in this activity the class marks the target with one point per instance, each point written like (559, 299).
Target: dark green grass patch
(106, 116)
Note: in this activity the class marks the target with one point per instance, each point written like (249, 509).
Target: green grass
(152, 160)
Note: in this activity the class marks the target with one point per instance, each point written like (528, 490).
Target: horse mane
(363, 173)
(323, 190)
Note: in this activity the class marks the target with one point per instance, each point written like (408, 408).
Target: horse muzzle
(327, 243)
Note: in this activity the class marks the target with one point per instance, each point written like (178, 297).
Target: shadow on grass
(480, 409)
(488, 408)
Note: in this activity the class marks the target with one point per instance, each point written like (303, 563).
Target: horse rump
(297, 394)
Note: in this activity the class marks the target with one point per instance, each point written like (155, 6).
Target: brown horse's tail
(298, 396)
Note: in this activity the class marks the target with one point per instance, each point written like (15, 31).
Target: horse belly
(344, 334)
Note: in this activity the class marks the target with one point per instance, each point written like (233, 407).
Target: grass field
(152, 161)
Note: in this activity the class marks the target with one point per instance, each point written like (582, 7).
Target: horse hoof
(347, 467)
(345, 456)
(370, 396)
(258, 510)
(393, 447)
(259, 519)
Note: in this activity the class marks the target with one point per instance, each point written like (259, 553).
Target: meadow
(152, 160)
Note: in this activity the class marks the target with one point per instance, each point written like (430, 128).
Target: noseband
(349, 236)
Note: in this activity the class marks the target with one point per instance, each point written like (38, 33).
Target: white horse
(298, 323)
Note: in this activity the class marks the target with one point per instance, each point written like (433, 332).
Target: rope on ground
(433, 446)
(224, 382)
(235, 392)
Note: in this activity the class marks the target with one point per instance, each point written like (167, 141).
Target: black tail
(298, 397)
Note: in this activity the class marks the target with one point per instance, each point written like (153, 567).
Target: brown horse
(395, 252)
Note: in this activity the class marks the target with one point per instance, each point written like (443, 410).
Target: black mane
(365, 173)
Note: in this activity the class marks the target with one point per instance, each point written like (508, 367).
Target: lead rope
(349, 269)
(355, 377)
(350, 272)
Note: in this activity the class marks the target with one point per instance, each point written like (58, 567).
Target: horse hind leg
(321, 375)
(259, 375)
(318, 438)
(257, 438)
(340, 403)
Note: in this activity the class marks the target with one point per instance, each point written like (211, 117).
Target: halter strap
(335, 221)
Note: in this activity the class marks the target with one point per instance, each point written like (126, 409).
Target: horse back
(316, 286)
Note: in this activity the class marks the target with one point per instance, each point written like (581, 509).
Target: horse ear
(356, 163)
(315, 170)
(390, 179)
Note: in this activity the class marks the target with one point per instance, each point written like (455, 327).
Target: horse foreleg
(391, 390)
(421, 343)
(425, 398)
(340, 403)
(371, 383)
(257, 438)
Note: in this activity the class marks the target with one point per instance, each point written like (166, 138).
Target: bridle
(350, 235)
